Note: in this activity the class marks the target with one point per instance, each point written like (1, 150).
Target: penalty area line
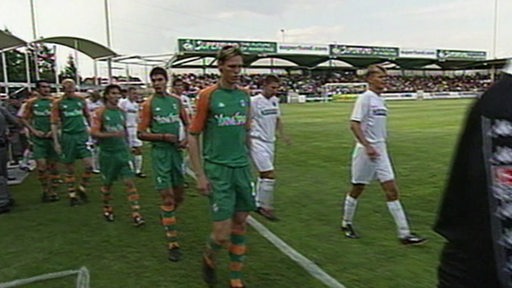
(308, 265)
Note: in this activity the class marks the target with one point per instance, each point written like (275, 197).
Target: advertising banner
(363, 51)
(419, 53)
(212, 46)
(303, 49)
(461, 55)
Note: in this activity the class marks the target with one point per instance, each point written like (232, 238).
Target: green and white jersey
(70, 112)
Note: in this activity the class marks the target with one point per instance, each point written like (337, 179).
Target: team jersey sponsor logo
(73, 113)
(235, 120)
(171, 118)
(42, 113)
(113, 128)
(266, 112)
(243, 103)
(379, 112)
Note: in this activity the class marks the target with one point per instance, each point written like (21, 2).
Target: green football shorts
(232, 190)
(116, 165)
(74, 147)
(43, 149)
(167, 165)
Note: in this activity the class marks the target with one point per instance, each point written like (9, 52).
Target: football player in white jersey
(94, 102)
(265, 121)
(178, 88)
(370, 159)
(131, 106)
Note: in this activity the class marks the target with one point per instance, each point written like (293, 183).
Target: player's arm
(361, 109)
(97, 127)
(11, 119)
(280, 131)
(55, 123)
(86, 113)
(195, 130)
(26, 119)
(143, 128)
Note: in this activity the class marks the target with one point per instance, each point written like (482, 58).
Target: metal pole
(495, 29)
(96, 73)
(34, 35)
(27, 68)
(109, 42)
(76, 65)
(57, 86)
(6, 77)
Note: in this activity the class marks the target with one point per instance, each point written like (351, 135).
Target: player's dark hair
(176, 81)
(271, 79)
(158, 71)
(39, 82)
(109, 88)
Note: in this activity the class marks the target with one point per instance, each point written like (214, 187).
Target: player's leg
(92, 145)
(363, 171)
(161, 160)
(136, 145)
(40, 156)
(84, 153)
(222, 207)
(177, 177)
(386, 177)
(68, 159)
(126, 173)
(244, 204)
(108, 175)
(263, 157)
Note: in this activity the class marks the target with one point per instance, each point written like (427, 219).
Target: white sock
(400, 220)
(349, 210)
(265, 193)
(95, 159)
(137, 159)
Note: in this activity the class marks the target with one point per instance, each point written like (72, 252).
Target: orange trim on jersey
(97, 121)
(28, 113)
(202, 109)
(145, 115)
(55, 117)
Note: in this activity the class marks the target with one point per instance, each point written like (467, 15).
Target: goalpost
(339, 92)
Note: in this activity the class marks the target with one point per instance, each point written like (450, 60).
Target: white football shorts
(133, 140)
(262, 154)
(364, 170)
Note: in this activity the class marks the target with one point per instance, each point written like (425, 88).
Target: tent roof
(187, 60)
(7, 40)
(88, 47)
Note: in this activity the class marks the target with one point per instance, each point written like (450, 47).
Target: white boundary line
(308, 265)
(82, 280)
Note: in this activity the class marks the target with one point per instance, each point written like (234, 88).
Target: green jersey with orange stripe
(71, 113)
(110, 120)
(38, 111)
(223, 118)
(161, 114)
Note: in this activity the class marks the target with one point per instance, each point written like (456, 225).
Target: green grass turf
(313, 176)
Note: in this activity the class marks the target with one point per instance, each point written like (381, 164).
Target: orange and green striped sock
(42, 176)
(70, 182)
(169, 223)
(133, 198)
(86, 177)
(237, 256)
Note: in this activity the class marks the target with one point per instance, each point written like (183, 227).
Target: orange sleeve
(203, 103)
(97, 121)
(55, 117)
(145, 115)
(27, 112)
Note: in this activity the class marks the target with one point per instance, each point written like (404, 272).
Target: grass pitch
(313, 177)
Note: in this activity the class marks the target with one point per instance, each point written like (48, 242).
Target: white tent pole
(34, 35)
(109, 40)
(57, 86)
(76, 65)
(27, 68)
(6, 77)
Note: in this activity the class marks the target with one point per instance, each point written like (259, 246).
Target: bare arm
(355, 126)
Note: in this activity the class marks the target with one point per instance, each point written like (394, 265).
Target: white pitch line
(308, 265)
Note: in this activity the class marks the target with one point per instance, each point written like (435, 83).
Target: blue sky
(152, 26)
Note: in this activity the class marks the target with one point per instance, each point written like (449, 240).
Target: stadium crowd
(313, 84)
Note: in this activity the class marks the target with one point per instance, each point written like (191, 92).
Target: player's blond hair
(68, 80)
(374, 69)
(227, 52)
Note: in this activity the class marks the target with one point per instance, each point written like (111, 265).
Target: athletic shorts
(74, 147)
(115, 166)
(133, 140)
(232, 190)
(43, 149)
(262, 154)
(167, 164)
(364, 169)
